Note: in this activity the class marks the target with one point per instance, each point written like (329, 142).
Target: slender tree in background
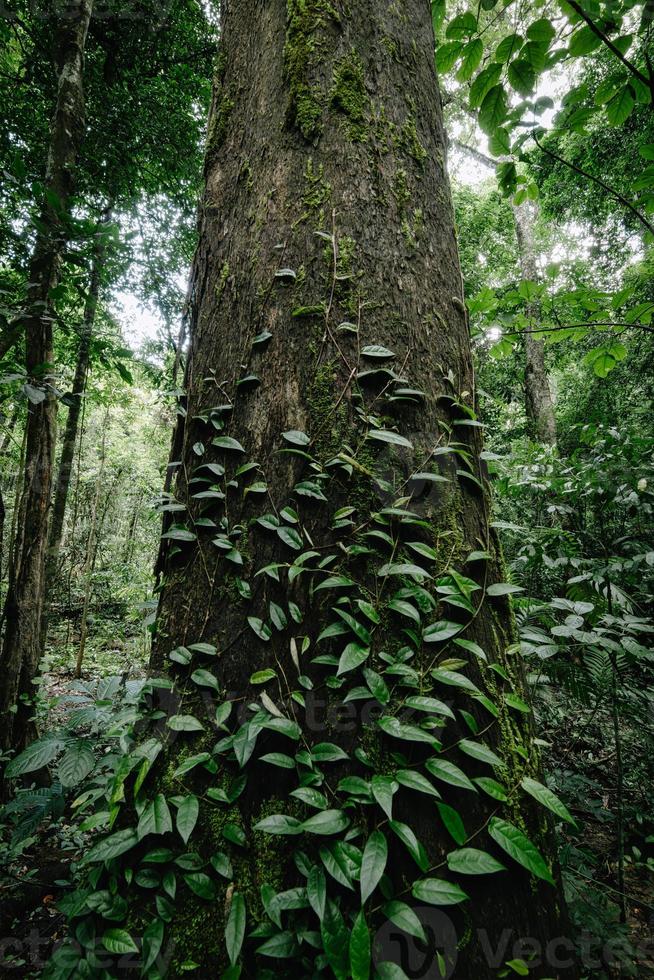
(69, 440)
(25, 596)
(327, 255)
(539, 406)
(538, 395)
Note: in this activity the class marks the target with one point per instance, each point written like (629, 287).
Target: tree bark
(69, 441)
(538, 395)
(327, 248)
(20, 654)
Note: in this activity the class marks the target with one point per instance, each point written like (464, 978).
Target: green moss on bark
(306, 18)
(349, 96)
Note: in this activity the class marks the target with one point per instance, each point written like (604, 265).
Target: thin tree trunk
(72, 422)
(19, 659)
(538, 396)
(539, 407)
(91, 552)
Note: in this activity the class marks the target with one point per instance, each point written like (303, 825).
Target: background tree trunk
(538, 395)
(69, 440)
(327, 205)
(20, 654)
(539, 407)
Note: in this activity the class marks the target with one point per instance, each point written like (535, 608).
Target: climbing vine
(371, 708)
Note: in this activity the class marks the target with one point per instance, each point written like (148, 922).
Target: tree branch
(609, 44)
(596, 180)
(582, 326)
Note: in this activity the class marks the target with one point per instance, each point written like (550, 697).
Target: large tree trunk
(19, 659)
(69, 440)
(538, 395)
(326, 205)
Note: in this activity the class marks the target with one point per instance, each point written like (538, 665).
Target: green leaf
(386, 435)
(470, 861)
(119, 941)
(436, 891)
(447, 772)
(405, 918)
(547, 798)
(453, 823)
(377, 352)
(503, 588)
(492, 112)
(405, 609)
(360, 949)
(153, 937)
(404, 568)
(278, 616)
(621, 106)
(541, 30)
(583, 41)
(296, 438)
(204, 678)
(507, 48)
(470, 59)
(317, 890)
(201, 885)
(185, 723)
(352, 657)
(227, 443)
(454, 679)
(290, 537)
(441, 631)
(492, 787)
(279, 823)
(463, 25)
(522, 76)
(423, 549)
(416, 781)
(112, 846)
(335, 941)
(187, 815)
(76, 763)
(262, 629)
(155, 818)
(447, 55)
(518, 846)
(326, 822)
(263, 676)
(328, 752)
(235, 927)
(483, 83)
(411, 842)
(383, 788)
(429, 705)
(34, 757)
(373, 864)
(477, 750)
(280, 946)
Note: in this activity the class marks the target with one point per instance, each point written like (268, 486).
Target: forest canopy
(326, 489)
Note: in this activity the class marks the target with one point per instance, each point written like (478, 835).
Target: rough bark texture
(69, 440)
(326, 118)
(538, 396)
(19, 659)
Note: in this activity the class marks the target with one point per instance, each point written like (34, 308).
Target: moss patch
(305, 20)
(349, 96)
